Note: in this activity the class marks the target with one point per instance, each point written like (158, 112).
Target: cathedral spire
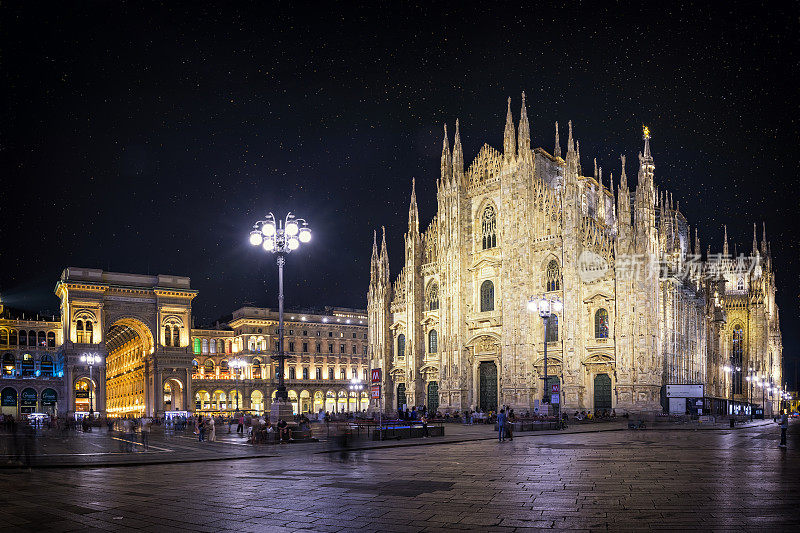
(763, 238)
(646, 135)
(373, 262)
(578, 156)
(374, 245)
(697, 250)
(446, 159)
(595, 168)
(570, 142)
(725, 243)
(557, 149)
(524, 136)
(509, 142)
(458, 155)
(413, 212)
(383, 265)
(623, 179)
(755, 241)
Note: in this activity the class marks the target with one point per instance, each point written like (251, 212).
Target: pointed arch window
(401, 345)
(553, 276)
(601, 324)
(489, 227)
(433, 341)
(487, 296)
(740, 285)
(432, 298)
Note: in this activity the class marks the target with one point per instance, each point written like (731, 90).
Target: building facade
(152, 361)
(643, 308)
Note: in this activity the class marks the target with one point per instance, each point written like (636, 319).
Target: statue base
(280, 410)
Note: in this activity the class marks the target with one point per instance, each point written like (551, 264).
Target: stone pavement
(620, 480)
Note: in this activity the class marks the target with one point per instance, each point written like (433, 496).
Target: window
(330, 334)
(737, 356)
(489, 228)
(365, 350)
(176, 336)
(12, 338)
(318, 333)
(305, 333)
(433, 341)
(319, 373)
(365, 336)
(167, 336)
(292, 373)
(487, 296)
(740, 285)
(9, 364)
(88, 336)
(4, 338)
(51, 339)
(401, 345)
(330, 374)
(432, 296)
(354, 373)
(319, 347)
(23, 335)
(305, 373)
(341, 348)
(330, 348)
(354, 335)
(342, 374)
(552, 329)
(32, 337)
(601, 324)
(256, 368)
(46, 366)
(291, 332)
(355, 350)
(196, 345)
(305, 347)
(27, 364)
(364, 374)
(213, 346)
(208, 367)
(291, 346)
(553, 276)
(40, 340)
(205, 345)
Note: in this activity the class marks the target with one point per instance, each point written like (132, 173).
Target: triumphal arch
(137, 329)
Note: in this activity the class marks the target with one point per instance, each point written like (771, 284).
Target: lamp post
(91, 360)
(356, 386)
(238, 364)
(280, 237)
(546, 307)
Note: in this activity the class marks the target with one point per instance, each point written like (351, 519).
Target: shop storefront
(28, 401)
(8, 401)
(49, 402)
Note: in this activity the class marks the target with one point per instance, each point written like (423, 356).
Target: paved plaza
(653, 479)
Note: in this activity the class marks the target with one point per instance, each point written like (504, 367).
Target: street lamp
(731, 370)
(280, 238)
(546, 307)
(91, 360)
(356, 386)
(238, 364)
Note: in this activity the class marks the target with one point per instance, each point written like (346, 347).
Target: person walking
(784, 424)
(212, 430)
(240, 426)
(501, 425)
(145, 431)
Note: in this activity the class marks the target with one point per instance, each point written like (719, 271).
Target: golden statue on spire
(646, 132)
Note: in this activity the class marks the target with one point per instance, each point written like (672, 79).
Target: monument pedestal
(280, 409)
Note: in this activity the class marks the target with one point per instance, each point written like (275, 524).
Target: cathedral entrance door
(487, 372)
(401, 396)
(433, 397)
(602, 392)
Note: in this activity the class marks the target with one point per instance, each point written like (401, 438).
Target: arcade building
(124, 345)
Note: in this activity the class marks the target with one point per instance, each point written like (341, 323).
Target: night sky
(149, 138)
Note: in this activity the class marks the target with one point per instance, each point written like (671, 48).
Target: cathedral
(646, 321)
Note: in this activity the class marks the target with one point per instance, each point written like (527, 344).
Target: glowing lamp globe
(292, 228)
(305, 235)
(268, 229)
(557, 306)
(269, 244)
(255, 238)
(294, 244)
(532, 306)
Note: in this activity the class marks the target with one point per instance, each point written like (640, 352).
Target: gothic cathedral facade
(643, 308)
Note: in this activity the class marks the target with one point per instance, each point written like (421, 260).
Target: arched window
(78, 331)
(601, 324)
(737, 356)
(489, 228)
(195, 366)
(51, 339)
(12, 339)
(205, 345)
(213, 346)
(176, 336)
(46, 366)
(41, 340)
(553, 276)
(740, 285)
(256, 368)
(552, 329)
(228, 347)
(432, 297)
(292, 373)
(208, 367)
(4, 337)
(31, 338)
(401, 345)
(343, 374)
(433, 341)
(305, 373)
(88, 335)
(197, 345)
(167, 336)
(487, 296)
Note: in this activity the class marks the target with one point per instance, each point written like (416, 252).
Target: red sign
(375, 391)
(376, 375)
(556, 388)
